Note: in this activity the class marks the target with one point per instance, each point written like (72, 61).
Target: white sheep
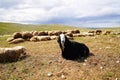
(43, 38)
(15, 41)
(10, 39)
(53, 37)
(12, 54)
(34, 39)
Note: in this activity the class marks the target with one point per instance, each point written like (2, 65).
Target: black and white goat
(72, 50)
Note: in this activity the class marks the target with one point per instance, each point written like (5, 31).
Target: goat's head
(62, 40)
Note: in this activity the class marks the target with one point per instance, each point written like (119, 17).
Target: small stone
(50, 62)
(116, 79)
(101, 67)
(100, 48)
(107, 47)
(85, 60)
(50, 74)
(84, 64)
(117, 61)
(62, 76)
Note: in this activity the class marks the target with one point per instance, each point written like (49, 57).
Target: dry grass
(45, 57)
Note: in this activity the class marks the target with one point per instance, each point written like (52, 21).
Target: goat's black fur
(73, 50)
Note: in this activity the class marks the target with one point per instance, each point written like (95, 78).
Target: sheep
(91, 31)
(43, 38)
(107, 32)
(26, 35)
(40, 38)
(116, 33)
(15, 41)
(17, 35)
(53, 37)
(73, 31)
(50, 33)
(34, 39)
(43, 33)
(10, 39)
(88, 34)
(98, 32)
(72, 50)
(69, 34)
(76, 31)
(64, 32)
(35, 33)
(77, 35)
(56, 33)
(12, 54)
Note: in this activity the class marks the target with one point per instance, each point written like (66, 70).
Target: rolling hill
(9, 28)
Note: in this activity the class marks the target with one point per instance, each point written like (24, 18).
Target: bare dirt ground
(44, 61)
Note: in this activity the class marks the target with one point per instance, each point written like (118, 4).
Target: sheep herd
(39, 35)
(36, 36)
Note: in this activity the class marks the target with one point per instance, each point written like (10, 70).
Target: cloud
(70, 12)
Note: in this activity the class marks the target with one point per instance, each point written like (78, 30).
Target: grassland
(45, 57)
(9, 28)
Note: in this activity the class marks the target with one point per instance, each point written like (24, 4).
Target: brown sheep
(27, 35)
(64, 32)
(35, 33)
(98, 32)
(107, 32)
(15, 41)
(12, 54)
(91, 32)
(50, 33)
(56, 33)
(69, 34)
(76, 31)
(17, 35)
(42, 33)
(73, 31)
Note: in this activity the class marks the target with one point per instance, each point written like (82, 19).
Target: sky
(81, 13)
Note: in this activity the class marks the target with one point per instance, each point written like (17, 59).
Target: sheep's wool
(62, 38)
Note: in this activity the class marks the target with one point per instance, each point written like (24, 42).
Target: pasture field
(10, 28)
(44, 61)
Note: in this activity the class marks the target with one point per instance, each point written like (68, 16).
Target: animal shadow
(82, 59)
